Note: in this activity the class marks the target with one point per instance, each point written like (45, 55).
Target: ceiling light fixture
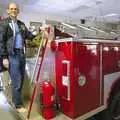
(86, 28)
(110, 15)
(67, 25)
(98, 30)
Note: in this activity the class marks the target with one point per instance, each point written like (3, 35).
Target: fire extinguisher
(47, 100)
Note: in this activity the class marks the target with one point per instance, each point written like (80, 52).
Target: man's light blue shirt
(18, 37)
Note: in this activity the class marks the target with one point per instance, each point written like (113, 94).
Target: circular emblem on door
(81, 80)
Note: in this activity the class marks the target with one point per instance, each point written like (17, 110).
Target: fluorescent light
(67, 25)
(86, 28)
(98, 30)
(113, 33)
(111, 14)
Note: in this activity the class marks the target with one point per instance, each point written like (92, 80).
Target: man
(13, 33)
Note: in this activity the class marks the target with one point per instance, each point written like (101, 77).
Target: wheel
(113, 112)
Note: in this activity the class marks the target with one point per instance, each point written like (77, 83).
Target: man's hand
(6, 63)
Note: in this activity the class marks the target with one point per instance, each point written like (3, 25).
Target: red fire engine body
(87, 76)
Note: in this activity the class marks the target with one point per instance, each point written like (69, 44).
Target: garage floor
(6, 112)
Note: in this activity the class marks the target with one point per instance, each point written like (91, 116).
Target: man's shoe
(21, 110)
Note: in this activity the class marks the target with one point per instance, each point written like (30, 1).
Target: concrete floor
(6, 111)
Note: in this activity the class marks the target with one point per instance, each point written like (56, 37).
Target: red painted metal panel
(111, 57)
(84, 61)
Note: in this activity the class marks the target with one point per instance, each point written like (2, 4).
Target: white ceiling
(107, 10)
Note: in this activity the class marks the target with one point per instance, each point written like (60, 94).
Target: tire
(113, 111)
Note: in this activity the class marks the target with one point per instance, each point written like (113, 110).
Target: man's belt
(17, 50)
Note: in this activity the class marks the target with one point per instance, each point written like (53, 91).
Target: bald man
(13, 34)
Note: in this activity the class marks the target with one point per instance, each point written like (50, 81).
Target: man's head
(13, 10)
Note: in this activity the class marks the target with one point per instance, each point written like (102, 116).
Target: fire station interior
(72, 65)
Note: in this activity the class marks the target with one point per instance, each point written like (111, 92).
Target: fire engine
(88, 76)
